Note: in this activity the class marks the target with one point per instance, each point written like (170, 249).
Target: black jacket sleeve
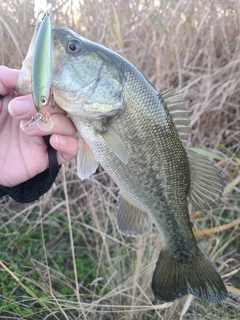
(35, 187)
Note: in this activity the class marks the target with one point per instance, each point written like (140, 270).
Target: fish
(140, 137)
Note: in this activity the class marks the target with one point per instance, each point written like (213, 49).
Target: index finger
(8, 80)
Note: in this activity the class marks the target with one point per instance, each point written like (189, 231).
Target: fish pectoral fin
(116, 144)
(86, 162)
(174, 278)
(131, 221)
(206, 182)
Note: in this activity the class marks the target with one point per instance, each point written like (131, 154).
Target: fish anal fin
(173, 279)
(131, 221)
(176, 107)
(206, 182)
(86, 162)
(116, 144)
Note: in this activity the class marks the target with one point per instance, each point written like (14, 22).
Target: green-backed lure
(42, 71)
(23, 85)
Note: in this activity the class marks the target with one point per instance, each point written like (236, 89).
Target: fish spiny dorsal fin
(206, 182)
(176, 107)
(131, 221)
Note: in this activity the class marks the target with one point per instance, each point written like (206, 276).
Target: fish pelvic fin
(206, 182)
(131, 221)
(173, 279)
(86, 162)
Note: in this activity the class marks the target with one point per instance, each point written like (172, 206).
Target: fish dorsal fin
(206, 182)
(131, 221)
(116, 144)
(86, 162)
(176, 107)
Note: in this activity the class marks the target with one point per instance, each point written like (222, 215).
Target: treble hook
(34, 120)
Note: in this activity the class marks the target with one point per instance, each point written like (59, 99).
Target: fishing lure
(42, 74)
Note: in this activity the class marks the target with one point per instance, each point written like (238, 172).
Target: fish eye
(73, 46)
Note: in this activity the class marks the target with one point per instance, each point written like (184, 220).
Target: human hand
(23, 152)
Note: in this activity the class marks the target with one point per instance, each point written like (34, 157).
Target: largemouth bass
(139, 136)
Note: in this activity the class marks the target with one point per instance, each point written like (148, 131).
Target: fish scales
(153, 162)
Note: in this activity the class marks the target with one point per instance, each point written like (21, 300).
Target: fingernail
(60, 140)
(17, 107)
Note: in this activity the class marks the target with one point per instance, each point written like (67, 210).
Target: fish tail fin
(173, 279)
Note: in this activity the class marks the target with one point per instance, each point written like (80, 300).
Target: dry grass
(193, 45)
